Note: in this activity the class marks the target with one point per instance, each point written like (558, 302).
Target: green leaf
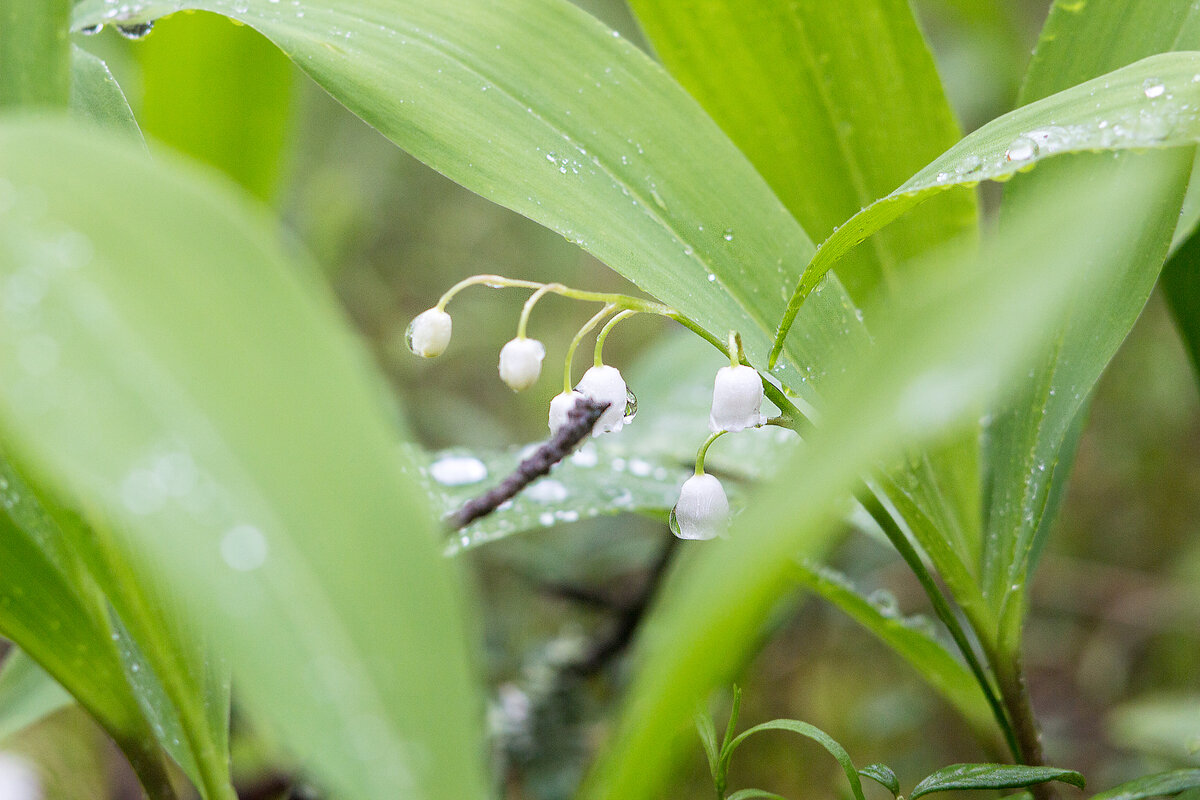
(1164, 784)
(1181, 285)
(35, 56)
(811, 732)
(947, 675)
(754, 794)
(535, 105)
(992, 776)
(1162, 726)
(96, 97)
(883, 775)
(1111, 113)
(27, 693)
(231, 437)
(219, 93)
(50, 608)
(708, 738)
(951, 345)
(786, 81)
(1032, 437)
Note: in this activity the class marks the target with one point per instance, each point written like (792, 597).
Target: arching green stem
(587, 327)
(608, 326)
(527, 309)
(703, 451)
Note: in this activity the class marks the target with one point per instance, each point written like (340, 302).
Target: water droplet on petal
(673, 524)
(630, 406)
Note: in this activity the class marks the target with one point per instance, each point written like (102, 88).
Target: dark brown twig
(580, 420)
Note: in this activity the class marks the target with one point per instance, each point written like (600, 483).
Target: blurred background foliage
(1114, 631)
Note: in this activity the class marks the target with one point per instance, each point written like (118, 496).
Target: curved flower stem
(527, 309)
(608, 326)
(703, 451)
(501, 282)
(587, 327)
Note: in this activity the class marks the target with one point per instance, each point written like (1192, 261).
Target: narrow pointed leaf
(883, 775)
(947, 675)
(27, 693)
(97, 97)
(1163, 784)
(1181, 282)
(755, 794)
(1122, 110)
(708, 738)
(992, 776)
(934, 363)
(787, 82)
(809, 732)
(230, 436)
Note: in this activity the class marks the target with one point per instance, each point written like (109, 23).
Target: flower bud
(521, 363)
(429, 333)
(737, 397)
(702, 509)
(605, 385)
(560, 406)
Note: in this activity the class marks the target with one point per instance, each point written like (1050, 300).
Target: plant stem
(603, 334)
(35, 53)
(587, 326)
(703, 451)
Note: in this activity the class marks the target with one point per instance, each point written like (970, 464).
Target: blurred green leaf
(1164, 726)
(97, 97)
(992, 776)
(1181, 285)
(1147, 105)
(220, 93)
(196, 391)
(27, 693)
(883, 775)
(1164, 784)
(539, 107)
(35, 56)
(1031, 438)
(787, 82)
(947, 675)
(754, 794)
(810, 732)
(51, 609)
(947, 348)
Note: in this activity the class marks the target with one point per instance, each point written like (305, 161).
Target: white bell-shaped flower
(429, 333)
(737, 398)
(521, 363)
(560, 406)
(605, 385)
(702, 510)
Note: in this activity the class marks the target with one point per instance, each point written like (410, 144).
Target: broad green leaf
(50, 608)
(197, 393)
(992, 776)
(809, 732)
(219, 93)
(883, 775)
(27, 693)
(537, 106)
(35, 56)
(787, 82)
(1147, 105)
(832, 119)
(944, 672)
(1032, 437)
(96, 97)
(1164, 784)
(1181, 285)
(943, 352)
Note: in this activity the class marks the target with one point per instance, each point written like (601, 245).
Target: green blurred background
(1114, 632)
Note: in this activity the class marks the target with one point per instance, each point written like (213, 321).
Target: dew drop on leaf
(458, 470)
(1022, 149)
(136, 31)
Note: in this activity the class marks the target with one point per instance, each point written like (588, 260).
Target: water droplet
(92, 30)
(712, 278)
(1153, 88)
(630, 406)
(244, 548)
(458, 470)
(673, 524)
(1022, 149)
(546, 518)
(885, 602)
(547, 490)
(139, 30)
(728, 235)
